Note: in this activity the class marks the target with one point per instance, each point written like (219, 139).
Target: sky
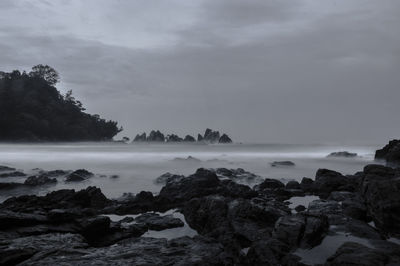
(303, 71)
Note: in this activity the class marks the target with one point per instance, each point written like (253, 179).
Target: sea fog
(138, 165)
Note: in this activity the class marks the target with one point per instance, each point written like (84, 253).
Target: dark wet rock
(156, 136)
(10, 185)
(267, 252)
(307, 184)
(234, 223)
(126, 220)
(331, 209)
(95, 227)
(390, 153)
(12, 174)
(39, 180)
(344, 154)
(12, 219)
(189, 138)
(4, 168)
(14, 256)
(90, 197)
(132, 251)
(352, 204)
(199, 137)
(232, 189)
(139, 203)
(140, 138)
(55, 173)
(301, 230)
(270, 184)
(282, 163)
(380, 189)
(361, 229)
(157, 222)
(202, 183)
(189, 159)
(211, 136)
(238, 175)
(78, 175)
(351, 253)
(327, 181)
(225, 139)
(67, 215)
(173, 138)
(300, 208)
(293, 185)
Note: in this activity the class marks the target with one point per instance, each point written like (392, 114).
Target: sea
(136, 166)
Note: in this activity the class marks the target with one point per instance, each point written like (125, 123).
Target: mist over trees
(32, 109)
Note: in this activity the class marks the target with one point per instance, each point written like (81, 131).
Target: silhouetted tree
(45, 72)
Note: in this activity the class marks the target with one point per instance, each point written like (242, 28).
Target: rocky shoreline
(350, 220)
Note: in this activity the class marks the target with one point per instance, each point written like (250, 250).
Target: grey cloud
(334, 78)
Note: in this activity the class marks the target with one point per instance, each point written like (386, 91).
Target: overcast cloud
(262, 71)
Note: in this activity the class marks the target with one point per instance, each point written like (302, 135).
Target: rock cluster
(353, 221)
(237, 225)
(210, 136)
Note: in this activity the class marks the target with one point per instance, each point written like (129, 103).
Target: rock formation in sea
(140, 138)
(156, 136)
(344, 154)
(282, 163)
(210, 136)
(225, 139)
(189, 138)
(173, 138)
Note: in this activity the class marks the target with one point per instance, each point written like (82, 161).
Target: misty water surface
(138, 165)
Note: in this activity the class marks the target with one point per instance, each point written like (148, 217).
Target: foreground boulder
(380, 188)
(71, 249)
(236, 223)
(390, 153)
(327, 181)
(351, 253)
(202, 183)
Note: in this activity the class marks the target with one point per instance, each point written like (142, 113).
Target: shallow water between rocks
(167, 233)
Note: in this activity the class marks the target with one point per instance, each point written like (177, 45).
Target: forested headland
(32, 109)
